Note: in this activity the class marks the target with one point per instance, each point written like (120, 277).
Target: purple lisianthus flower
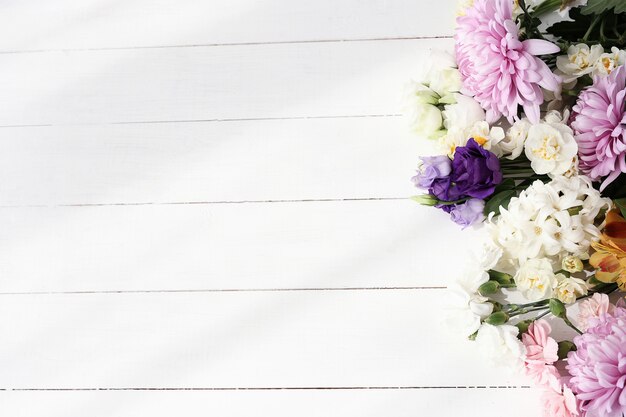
(468, 213)
(432, 168)
(475, 173)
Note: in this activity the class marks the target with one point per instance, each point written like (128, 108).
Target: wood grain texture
(229, 246)
(217, 340)
(69, 24)
(209, 162)
(237, 82)
(312, 403)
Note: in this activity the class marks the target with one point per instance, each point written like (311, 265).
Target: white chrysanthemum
(568, 289)
(609, 61)
(580, 60)
(550, 146)
(535, 279)
(549, 220)
(500, 345)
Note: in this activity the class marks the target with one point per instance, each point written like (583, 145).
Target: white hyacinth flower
(550, 220)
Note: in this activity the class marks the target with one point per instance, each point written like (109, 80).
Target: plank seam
(355, 388)
(218, 290)
(226, 44)
(219, 120)
(180, 203)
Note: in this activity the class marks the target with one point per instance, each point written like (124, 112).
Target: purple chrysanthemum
(598, 367)
(498, 70)
(599, 124)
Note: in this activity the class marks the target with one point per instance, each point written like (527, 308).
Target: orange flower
(610, 256)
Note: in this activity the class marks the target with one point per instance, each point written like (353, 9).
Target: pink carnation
(593, 307)
(541, 353)
(598, 366)
(559, 403)
(598, 121)
(498, 70)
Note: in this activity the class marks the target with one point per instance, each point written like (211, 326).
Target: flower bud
(501, 277)
(565, 347)
(572, 264)
(489, 287)
(426, 199)
(497, 318)
(523, 326)
(557, 308)
(426, 96)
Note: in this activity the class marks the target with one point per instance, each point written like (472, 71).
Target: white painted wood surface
(203, 212)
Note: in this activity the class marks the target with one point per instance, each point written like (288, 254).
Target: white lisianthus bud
(568, 289)
(513, 143)
(463, 114)
(609, 61)
(445, 81)
(580, 60)
(535, 279)
(572, 264)
(551, 148)
(424, 116)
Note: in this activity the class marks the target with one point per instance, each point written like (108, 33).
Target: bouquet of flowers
(529, 114)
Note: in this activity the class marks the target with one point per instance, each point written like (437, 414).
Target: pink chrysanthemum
(498, 70)
(599, 124)
(598, 367)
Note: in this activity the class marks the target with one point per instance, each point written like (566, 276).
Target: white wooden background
(203, 213)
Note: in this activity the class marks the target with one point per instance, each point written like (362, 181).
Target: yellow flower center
(480, 140)
(549, 148)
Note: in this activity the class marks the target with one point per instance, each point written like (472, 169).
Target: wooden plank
(69, 24)
(200, 162)
(237, 82)
(244, 339)
(390, 403)
(229, 246)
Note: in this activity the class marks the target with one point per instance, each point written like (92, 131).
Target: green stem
(546, 7)
(593, 24)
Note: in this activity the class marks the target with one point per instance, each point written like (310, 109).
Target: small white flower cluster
(581, 59)
(435, 89)
(544, 227)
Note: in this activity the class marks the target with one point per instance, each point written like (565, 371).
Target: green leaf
(599, 6)
(621, 205)
(565, 347)
(507, 184)
(498, 200)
